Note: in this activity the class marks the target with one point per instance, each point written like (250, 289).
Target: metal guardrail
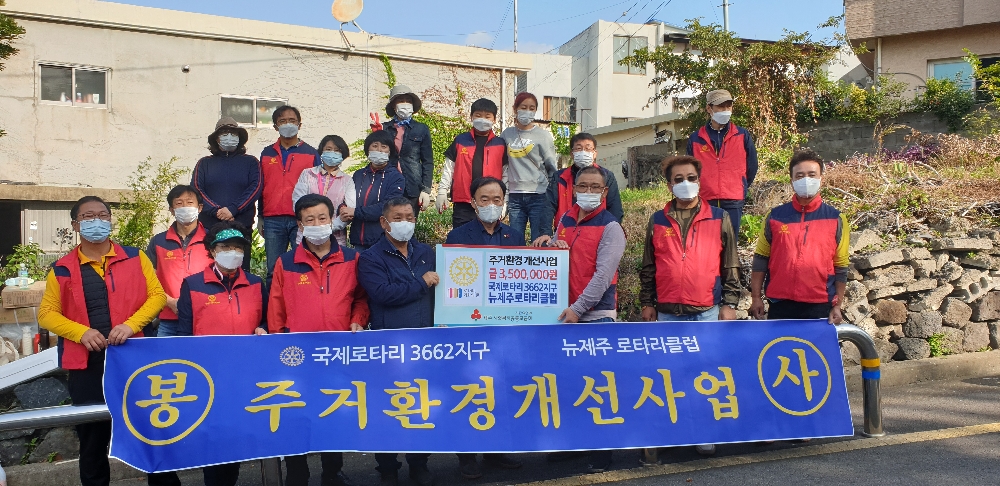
(870, 375)
(61, 416)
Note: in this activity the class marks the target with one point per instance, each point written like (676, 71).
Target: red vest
(584, 238)
(313, 296)
(217, 311)
(492, 163)
(126, 294)
(723, 173)
(174, 264)
(803, 249)
(280, 178)
(689, 272)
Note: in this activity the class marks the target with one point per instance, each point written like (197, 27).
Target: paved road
(910, 454)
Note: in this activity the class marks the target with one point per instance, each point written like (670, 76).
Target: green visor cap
(229, 234)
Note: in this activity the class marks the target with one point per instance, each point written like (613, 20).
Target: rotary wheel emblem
(463, 271)
(292, 356)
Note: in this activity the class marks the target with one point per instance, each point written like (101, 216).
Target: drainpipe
(659, 42)
(878, 59)
(503, 94)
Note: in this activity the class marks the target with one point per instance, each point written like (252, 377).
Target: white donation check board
(491, 285)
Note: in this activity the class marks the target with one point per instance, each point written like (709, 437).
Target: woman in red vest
(223, 300)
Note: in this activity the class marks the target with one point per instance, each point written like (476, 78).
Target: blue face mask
(95, 230)
(331, 158)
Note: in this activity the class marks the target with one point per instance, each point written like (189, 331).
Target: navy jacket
(473, 233)
(372, 189)
(398, 297)
(416, 157)
(228, 181)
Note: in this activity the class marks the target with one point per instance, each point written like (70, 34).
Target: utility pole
(515, 25)
(725, 16)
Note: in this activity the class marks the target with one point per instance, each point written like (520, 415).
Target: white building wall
(156, 110)
(601, 93)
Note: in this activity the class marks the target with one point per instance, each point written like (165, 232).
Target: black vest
(95, 294)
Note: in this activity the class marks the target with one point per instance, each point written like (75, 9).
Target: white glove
(424, 200)
(338, 224)
(442, 203)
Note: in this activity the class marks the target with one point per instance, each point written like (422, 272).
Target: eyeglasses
(690, 178)
(106, 216)
(589, 188)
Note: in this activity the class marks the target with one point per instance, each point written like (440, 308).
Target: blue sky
(543, 24)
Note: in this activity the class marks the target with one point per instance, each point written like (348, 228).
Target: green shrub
(142, 210)
(258, 257)
(750, 228)
(30, 256)
(948, 101)
(936, 343)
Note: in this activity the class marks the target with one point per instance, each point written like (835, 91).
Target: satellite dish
(347, 10)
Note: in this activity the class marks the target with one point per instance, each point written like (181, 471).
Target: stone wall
(940, 293)
(837, 140)
(37, 445)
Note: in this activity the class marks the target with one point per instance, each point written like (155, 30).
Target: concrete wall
(550, 75)
(884, 18)
(601, 93)
(837, 140)
(613, 146)
(915, 33)
(156, 110)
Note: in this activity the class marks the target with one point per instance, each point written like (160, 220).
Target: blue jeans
(603, 319)
(168, 327)
(279, 233)
(533, 208)
(709, 315)
(735, 211)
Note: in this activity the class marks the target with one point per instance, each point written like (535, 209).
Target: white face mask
(229, 259)
(186, 215)
(588, 201)
(404, 111)
(490, 213)
(378, 159)
(525, 117)
(722, 117)
(228, 142)
(806, 187)
(401, 230)
(482, 124)
(288, 130)
(685, 190)
(583, 159)
(317, 235)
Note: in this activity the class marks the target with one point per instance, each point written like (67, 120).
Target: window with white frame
(71, 85)
(250, 111)
(624, 46)
(958, 70)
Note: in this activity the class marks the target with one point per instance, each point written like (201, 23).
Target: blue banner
(491, 285)
(185, 402)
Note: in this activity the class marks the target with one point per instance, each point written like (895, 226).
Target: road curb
(65, 473)
(959, 366)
